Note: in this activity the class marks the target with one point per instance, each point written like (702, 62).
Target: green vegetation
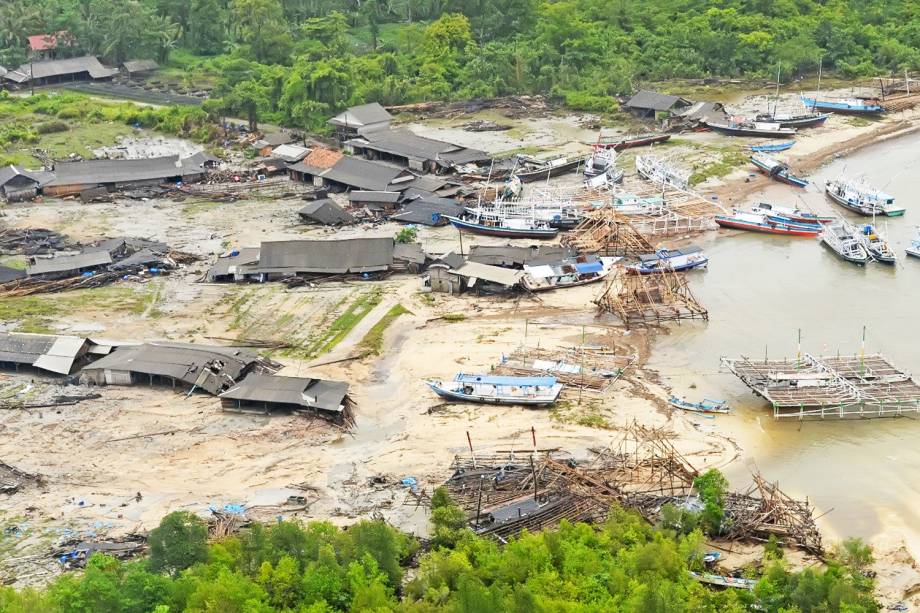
(327, 339)
(453, 317)
(588, 414)
(621, 565)
(372, 343)
(406, 235)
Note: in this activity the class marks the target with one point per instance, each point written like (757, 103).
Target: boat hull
(450, 395)
(772, 148)
(850, 206)
(547, 173)
(843, 108)
(782, 176)
(733, 131)
(635, 142)
(643, 270)
(502, 232)
(801, 122)
(845, 257)
(914, 253)
(726, 222)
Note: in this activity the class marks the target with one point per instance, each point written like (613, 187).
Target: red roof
(46, 42)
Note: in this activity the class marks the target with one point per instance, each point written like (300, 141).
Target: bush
(52, 126)
(179, 542)
(407, 235)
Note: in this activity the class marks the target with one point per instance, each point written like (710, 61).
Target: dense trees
(623, 565)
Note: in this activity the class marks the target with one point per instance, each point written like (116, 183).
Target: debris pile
(12, 479)
(33, 241)
(592, 369)
(650, 299)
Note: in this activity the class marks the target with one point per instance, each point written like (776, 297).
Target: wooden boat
(756, 222)
(555, 214)
(876, 245)
(544, 170)
(788, 120)
(790, 214)
(914, 249)
(751, 128)
(777, 170)
(629, 142)
(568, 273)
(662, 172)
(669, 260)
(772, 147)
(706, 406)
(846, 106)
(506, 228)
(487, 389)
(599, 162)
(842, 239)
(861, 198)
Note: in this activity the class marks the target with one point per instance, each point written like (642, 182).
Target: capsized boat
(488, 389)
(758, 222)
(777, 170)
(860, 197)
(763, 129)
(914, 249)
(843, 240)
(669, 260)
(706, 406)
(790, 214)
(876, 245)
(772, 147)
(846, 106)
(568, 273)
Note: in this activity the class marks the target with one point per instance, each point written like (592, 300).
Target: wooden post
(533, 472)
(470, 442)
(479, 503)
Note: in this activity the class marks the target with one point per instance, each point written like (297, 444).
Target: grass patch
(425, 298)
(372, 343)
(858, 122)
(19, 262)
(587, 414)
(327, 339)
(453, 317)
(199, 206)
(730, 160)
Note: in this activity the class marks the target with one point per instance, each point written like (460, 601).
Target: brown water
(760, 290)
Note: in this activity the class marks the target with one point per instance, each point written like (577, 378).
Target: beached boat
(662, 172)
(500, 225)
(876, 245)
(762, 129)
(846, 106)
(843, 239)
(669, 260)
(777, 170)
(532, 391)
(599, 162)
(554, 213)
(758, 222)
(541, 170)
(859, 197)
(631, 204)
(790, 120)
(568, 273)
(914, 249)
(628, 142)
(790, 214)
(772, 147)
(706, 406)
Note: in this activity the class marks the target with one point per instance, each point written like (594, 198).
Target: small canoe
(706, 406)
(772, 148)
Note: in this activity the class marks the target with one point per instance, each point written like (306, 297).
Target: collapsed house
(650, 299)
(227, 267)
(209, 368)
(63, 266)
(265, 393)
(17, 184)
(473, 276)
(47, 72)
(358, 120)
(338, 172)
(60, 355)
(430, 211)
(375, 201)
(514, 256)
(648, 104)
(405, 148)
(325, 212)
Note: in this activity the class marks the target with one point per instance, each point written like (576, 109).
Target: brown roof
(322, 158)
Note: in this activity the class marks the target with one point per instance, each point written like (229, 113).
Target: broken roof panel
(427, 212)
(326, 212)
(364, 174)
(290, 153)
(377, 197)
(299, 391)
(67, 263)
(227, 265)
(492, 274)
(55, 354)
(349, 255)
(405, 143)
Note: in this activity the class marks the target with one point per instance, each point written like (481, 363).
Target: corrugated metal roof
(140, 65)
(645, 99)
(305, 392)
(290, 153)
(55, 354)
(493, 274)
(373, 196)
(91, 172)
(354, 255)
(364, 174)
(65, 263)
(325, 211)
(363, 115)
(404, 142)
(227, 265)
(9, 172)
(58, 68)
(409, 252)
(426, 212)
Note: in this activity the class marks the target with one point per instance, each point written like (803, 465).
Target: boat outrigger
(758, 222)
(706, 406)
(777, 170)
(842, 239)
(487, 389)
(669, 260)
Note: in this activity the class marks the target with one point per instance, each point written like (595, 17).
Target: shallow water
(760, 290)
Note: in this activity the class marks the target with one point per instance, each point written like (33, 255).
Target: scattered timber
(650, 299)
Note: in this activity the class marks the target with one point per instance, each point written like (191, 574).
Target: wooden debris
(606, 232)
(650, 299)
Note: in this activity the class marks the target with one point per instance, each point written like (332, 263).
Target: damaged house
(279, 259)
(647, 104)
(267, 394)
(17, 185)
(325, 212)
(325, 168)
(358, 120)
(473, 276)
(73, 178)
(405, 148)
(227, 267)
(60, 355)
(209, 368)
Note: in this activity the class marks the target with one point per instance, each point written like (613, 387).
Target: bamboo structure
(579, 369)
(650, 299)
(813, 387)
(606, 232)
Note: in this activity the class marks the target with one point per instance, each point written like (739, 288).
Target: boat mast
(817, 93)
(776, 96)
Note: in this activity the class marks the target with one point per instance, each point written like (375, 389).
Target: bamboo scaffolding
(606, 232)
(650, 299)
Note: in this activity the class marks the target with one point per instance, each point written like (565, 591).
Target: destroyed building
(514, 256)
(60, 355)
(227, 266)
(429, 211)
(405, 148)
(341, 172)
(473, 276)
(209, 368)
(264, 393)
(375, 201)
(649, 105)
(325, 212)
(17, 184)
(63, 266)
(357, 120)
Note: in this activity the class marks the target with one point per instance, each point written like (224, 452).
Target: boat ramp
(811, 387)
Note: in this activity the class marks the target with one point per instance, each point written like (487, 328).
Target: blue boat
(506, 228)
(669, 260)
(851, 106)
(770, 148)
(488, 389)
(777, 170)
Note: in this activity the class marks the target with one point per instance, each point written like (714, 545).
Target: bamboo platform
(579, 369)
(830, 387)
(650, 299)
(606, 232)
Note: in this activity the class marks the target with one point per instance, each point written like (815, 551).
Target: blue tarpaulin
(589, 267)
(508, 381)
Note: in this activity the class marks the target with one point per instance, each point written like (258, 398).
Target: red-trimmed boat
(794, 215)
(758, 222)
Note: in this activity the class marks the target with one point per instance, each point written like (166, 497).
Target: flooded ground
(760, 290)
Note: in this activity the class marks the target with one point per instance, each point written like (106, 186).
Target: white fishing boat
(876, 245)
(662, 172)
(568, 273)
(843, 239)
(860, 197)
(914, 249)
(631, 204)
(556, 214)
(487, 389)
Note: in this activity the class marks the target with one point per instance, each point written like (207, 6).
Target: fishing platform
(812, 387)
